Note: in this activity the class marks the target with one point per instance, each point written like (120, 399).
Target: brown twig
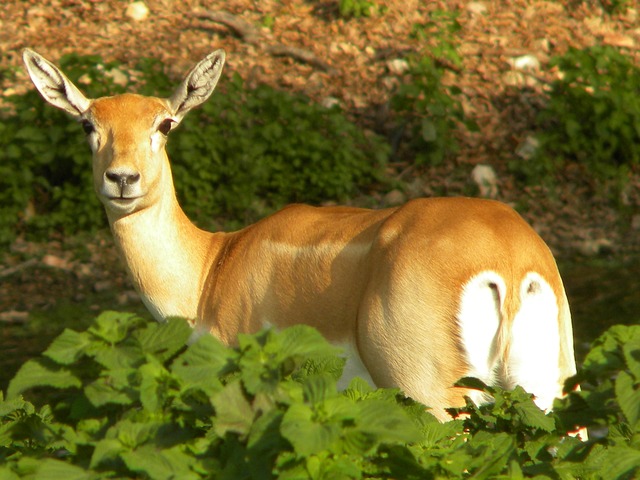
(7, 272)
(302, 55)
(241, 27)
(250, 34)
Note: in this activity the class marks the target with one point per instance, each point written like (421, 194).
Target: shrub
(592, 116)
(245, 153)
(128, 399)
(428, 111)
(357, 8)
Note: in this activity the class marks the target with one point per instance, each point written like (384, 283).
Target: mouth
(122, 204)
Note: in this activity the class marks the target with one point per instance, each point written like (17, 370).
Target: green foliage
(428, 110)
(263, 145)
(245, 153)
(128, 399)
(357, 8)
(592, 116)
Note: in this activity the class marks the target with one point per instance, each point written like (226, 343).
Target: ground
(351, 61)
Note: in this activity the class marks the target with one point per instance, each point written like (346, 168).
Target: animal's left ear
(198, 85)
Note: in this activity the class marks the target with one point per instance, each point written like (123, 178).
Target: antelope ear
(198, 85)
(53, 85)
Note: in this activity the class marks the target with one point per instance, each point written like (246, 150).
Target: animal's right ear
(53, 85)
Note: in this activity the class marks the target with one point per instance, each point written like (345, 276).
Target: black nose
(123, 179)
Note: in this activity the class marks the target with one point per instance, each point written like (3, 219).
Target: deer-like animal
(419, 295)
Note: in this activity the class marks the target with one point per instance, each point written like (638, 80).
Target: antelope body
(418, 295)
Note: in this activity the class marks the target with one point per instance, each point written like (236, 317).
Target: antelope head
(129, 159)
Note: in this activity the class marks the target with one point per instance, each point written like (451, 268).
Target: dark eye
(165, 126)
(87, 126)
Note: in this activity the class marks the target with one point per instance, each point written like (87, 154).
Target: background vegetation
(248, 151)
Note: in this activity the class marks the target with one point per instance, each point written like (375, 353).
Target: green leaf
(166, 339)
(113, 327)
(51, 469)
(152, 388)
(531, 415)
(628, 397)
(41, 373)
(202, 363)
(106, 450)
(307, 435)
(67, 347)
(112, 388)
(170, 464)
(621, 462)
(233, 411)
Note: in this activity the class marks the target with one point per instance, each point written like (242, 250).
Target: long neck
(168, 257)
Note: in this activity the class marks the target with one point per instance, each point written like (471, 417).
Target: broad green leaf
(233, 411)
(305, 433)
(621, 462)
(165, 339)
(107, 449)
(318, 388)
(628, 396)
(117, 357)
(531, 416)
(111, 389)
(67, 347)
(202, 363)
(151, 385)
(51, 469)
(41, 373)
(302, 340)
(170, 464)
(7, 474)
(113, 327)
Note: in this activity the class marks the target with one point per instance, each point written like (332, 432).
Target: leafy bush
(247, 146)
(592, 116)
(427, 110)
(246, 152)
(357, 8)
(127, 399)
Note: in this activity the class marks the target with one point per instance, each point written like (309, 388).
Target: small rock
(477, 8)
(394, 197)
(137, 11)
(118, 77)
(525, 62)
(594, 247)
(484, 176)
(329, 102)
(56, 262)
(398, 66)
(528, 147)
(102, 286)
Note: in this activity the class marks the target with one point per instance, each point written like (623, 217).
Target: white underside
(354, 367)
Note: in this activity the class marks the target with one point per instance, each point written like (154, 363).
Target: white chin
(121, 205)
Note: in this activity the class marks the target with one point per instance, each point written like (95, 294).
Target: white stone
(137, 11)
(485, 178)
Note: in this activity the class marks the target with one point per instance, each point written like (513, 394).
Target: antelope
(418, 295)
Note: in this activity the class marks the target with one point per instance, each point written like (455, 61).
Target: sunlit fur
(420, 295)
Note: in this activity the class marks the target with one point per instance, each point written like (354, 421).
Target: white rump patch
(479, 320)
(535, 342)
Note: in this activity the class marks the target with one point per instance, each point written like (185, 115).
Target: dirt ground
(305, 46)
